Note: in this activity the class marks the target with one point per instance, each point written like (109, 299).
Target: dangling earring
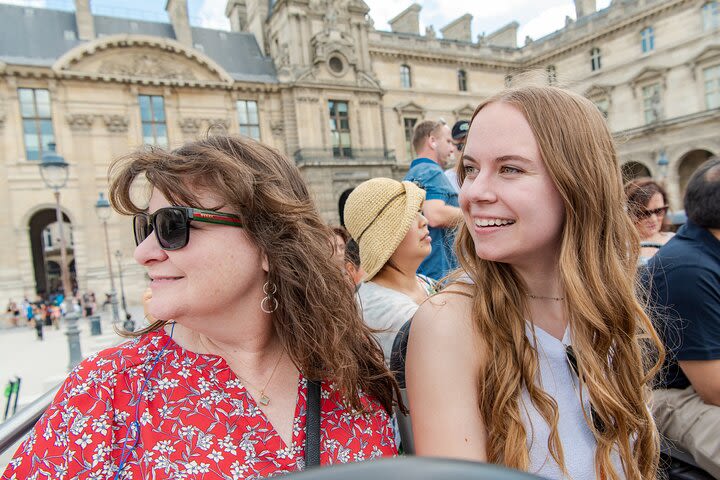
(269, 289)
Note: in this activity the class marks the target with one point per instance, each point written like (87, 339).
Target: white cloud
(210, 14)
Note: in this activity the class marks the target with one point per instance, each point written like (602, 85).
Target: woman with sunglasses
(539, 363)
(647, 204)
(249, 308)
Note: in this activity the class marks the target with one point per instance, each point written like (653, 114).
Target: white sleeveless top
(560, 382)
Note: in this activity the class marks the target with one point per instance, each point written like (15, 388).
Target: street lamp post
(102, 209)
(54, 172)
(129, 323)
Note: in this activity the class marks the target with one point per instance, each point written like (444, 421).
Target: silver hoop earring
(269, 289)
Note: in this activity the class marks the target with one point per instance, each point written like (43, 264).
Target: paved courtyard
(43, 364)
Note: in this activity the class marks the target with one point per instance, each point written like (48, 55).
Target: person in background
(539, 364)
(250, 312)
(684, 287)
(383, 216)
(648, 206)
(433, 143)
(459, 132)
(340, 239)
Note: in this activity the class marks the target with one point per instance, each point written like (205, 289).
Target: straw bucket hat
(378, 215)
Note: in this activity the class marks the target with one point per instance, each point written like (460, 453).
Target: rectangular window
(711, 15)
(405, 78)
(409, 127)
(603, 104)
(37, 121)
(651, 103)
(152, 114)
(647, 37)
(340, 128)
(711, 76)
(248, 118)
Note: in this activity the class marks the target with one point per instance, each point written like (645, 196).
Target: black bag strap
(312, 425)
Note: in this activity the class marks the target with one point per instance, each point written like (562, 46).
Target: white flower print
(215, 456)
(84, 440)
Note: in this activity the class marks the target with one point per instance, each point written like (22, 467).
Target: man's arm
(441, 215)
(704, 376)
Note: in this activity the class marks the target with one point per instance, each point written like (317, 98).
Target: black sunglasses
(572, 361)
(172, 224)
(660, 212)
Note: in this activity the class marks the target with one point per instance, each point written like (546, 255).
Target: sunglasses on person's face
(172, 224)
(572, 361)
(660, 212)
(460, 146)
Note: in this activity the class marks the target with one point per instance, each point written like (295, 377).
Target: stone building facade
(316, 80)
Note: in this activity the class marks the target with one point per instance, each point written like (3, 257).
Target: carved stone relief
(277, 128)
(146, 65)
(116, 123)
(80, 122)
(214, 126)
(2, 118)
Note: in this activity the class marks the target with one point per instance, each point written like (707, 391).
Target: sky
(536, 17)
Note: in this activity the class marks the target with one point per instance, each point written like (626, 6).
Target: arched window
(647, 38)
(711, 15)
(462, 80)
(551, 74)
(595, 59)
(405, 78)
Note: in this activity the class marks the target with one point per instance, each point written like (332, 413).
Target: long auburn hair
(617, 348)
(317, 319)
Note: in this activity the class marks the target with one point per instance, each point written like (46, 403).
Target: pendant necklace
(264, 398)
(540, 297)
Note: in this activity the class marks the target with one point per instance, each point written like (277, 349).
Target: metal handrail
(15, 427)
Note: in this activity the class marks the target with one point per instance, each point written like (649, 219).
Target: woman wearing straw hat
(383, 216)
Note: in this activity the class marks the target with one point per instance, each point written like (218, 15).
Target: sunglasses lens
(141, 227)
(172, 228)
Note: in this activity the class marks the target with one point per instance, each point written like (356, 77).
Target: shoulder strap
(312, 425)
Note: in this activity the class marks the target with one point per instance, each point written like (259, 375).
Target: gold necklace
(540, 297)
(264, 398)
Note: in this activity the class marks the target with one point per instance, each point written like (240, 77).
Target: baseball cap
(460, 129)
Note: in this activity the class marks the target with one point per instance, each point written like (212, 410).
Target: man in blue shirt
(433, 144)
(685, 294)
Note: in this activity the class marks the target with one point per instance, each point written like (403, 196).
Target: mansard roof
(36, 37)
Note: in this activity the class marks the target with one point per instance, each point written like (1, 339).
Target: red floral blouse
(196, 420)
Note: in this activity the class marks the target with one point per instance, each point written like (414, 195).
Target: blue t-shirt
(685, 296)
(429, 176)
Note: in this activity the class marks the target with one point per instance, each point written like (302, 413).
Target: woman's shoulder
(122, 359)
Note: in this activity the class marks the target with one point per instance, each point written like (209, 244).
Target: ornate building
(316, 80)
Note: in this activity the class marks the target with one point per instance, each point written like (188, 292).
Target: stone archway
(687, 164)
(631, 170)
(45, 248)
(341, 204)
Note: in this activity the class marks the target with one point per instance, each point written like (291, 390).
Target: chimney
(584, 8)
(84, 20)
(459, 29)
(178, 14)
(505, 36)
(407, 21)
(236, 12)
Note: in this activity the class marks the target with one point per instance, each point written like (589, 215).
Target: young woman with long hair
(542, 361)
(249, 307)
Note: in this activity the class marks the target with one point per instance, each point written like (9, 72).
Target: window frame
(247, 127)
(710, 12)
(716, 92)
(647, 39)
(647, 107)
(409, 133)
(153, 122)
(38, 121)
(405, 76)
(339, 148)
(551, 73)
(595, 59)
(462, 80)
